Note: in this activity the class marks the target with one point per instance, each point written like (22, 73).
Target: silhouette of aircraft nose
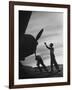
(29, 44)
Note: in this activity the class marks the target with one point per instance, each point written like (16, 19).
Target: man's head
(37, 57)
(51, 44)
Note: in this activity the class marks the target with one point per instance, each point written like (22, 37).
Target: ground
(30, 72)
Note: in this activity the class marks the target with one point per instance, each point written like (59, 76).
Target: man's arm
(47, 46)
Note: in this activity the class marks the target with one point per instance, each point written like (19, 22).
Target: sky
(52, 23)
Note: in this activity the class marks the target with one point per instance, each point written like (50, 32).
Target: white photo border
(16, 41)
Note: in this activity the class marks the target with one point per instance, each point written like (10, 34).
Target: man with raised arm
(52, 56)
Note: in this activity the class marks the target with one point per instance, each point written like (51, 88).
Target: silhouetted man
(40, 61)
(53, 60)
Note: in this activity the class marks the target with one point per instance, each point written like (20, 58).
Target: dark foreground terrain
(26, 72)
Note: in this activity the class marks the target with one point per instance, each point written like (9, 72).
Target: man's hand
(45, 43)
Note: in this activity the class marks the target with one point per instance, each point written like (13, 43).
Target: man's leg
(51, 65)
(45, 68)
(56, 65)
(38, 63)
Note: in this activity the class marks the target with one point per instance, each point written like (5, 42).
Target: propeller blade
(39, 34)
